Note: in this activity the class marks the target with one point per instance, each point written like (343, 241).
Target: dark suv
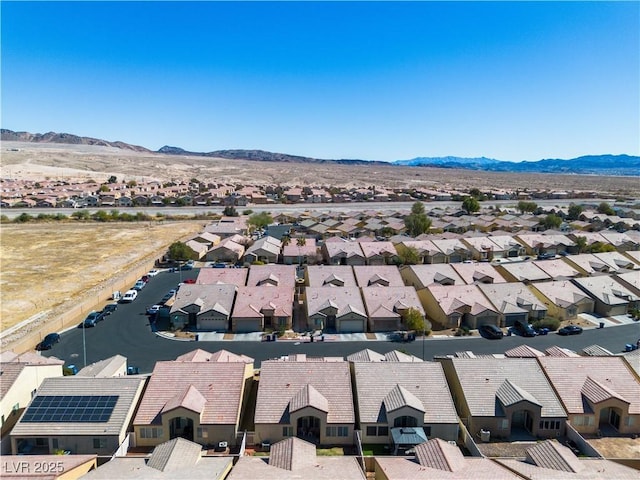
(491, 332)
(48, 341)
(523, 329)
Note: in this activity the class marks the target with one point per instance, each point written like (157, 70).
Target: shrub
(547, 322)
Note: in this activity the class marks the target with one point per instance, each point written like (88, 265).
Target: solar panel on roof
(71, 409)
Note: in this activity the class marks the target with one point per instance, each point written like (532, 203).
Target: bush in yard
(548, 322)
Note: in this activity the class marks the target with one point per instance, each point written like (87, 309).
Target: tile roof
(525, 271)
(390, 301)
(174, 455)
(607, 290)
(437, 273)
(292, 454)
(563, 293)
(384, 387)
(383, 275)
(218, 298)
(512, 297)
(509, 394)
(251, 301)
(551, 455)
(556, 351)
(366, 355)
(441, 455)
(199, 355)
(455, 298)
(344, 299)
(220, 384)
(104, 368)
(557, 269)
(330, 275)
(280, 382)
(481, 378)
(9, 373)
(523, 351)
(595, 378)
(308, 396)
(279, 275)
(477, 273)
(234, 276)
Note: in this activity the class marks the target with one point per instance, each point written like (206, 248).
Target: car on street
(190, 281)
(153, 273)
(48, 341)
(129, 296)
(153, 309)
(92, 319)
(523, 329)
(140, 284)
(109, 309)
(491, 332)
(145, 278)
(570, 330)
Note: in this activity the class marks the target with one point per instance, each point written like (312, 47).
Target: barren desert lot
(44, 267)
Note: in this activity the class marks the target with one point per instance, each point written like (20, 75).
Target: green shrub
(548, 322)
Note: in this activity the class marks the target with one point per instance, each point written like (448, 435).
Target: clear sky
(368, 80)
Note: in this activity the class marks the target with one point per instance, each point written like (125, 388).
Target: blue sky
(370, 80)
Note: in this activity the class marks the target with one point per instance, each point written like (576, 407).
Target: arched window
(405, 421)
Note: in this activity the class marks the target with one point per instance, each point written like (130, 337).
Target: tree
(600, 247)
(574, 211)
(551, 221)
(581, 244)
(230, 211)
(528, 207)
(112, 179)
(179, 251)
(605, 209)
(300, 242)
(417, 221)
(103, 188)
(386, 232)
(414, 320)
(470, 204)
(408, 255)
(260, 220)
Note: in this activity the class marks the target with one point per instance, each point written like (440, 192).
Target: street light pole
(84, 345)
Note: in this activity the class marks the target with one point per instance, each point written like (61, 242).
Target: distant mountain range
(625, 165)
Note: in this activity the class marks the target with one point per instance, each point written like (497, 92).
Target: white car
(153, 273)
(129, 296)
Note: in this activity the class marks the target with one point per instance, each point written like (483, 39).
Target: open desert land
(48, 268)
(59, 161)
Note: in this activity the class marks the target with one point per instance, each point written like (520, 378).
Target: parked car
(491, 332)
(187, 266)
(145, 278)
(92, 319)
(153, 273)
(190, 281)
(140, 284)
(570, 330)
(153, 309)
(523, 329)
(167, 297)
(48, 341)
(109, 309)
(129, 296)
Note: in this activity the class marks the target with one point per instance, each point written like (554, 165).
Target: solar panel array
(71, 408)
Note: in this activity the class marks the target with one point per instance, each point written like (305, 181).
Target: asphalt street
(127, 332)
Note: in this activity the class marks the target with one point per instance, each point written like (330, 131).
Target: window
(427, 431)
(287, 431)
(383, 431)
(202, 432)
(504, 424)
(343, 431)
(54, 443)
(578, 420)
(405, 421)
(99, 443)
(150, 432)
(372, 431)
(337, 431)
(331, 431)
(282, 321)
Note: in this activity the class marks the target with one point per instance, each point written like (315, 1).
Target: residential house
(422, 276)
(295, 459)
(601, 393)
(522, 272)
(266, 306)
(296, 253)
(82, 415)
(198, 398)
(630, 281)
(551, 460)
(203, 307)
(381, 276)
(394, 396)
(508, 246)
(477, 273)
(209, 239)
(379, 253)
(563, 299)
(368, 355)
(226, 251)
(504, 396)
(308, 399)
(115, 366)
(427, 251)
(557, 269)
(439, 460)
(338, 310)
(453, 249)
(20, 378)
(611, 297)
(197, 250)
(343, 253)
(483, 248)
(588, 264)
(536, 244)
(176, 459)
(453, 306)
(272, 275)
(233, 276)
(617, 261)
(265, 249)
(387, 306)
(515, 302)
(330, 276)
(229, 226)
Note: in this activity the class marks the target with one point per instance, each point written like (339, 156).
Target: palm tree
(300, 242)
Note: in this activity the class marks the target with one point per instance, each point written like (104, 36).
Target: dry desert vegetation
(48, 267)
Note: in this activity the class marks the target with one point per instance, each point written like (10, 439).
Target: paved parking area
(614, 321)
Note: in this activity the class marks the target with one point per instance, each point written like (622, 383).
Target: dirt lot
(44, 266)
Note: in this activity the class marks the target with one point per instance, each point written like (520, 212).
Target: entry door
(614, 419)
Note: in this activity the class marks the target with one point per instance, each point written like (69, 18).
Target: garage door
(351, 326)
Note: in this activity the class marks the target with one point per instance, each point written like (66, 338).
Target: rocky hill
(65, 138)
